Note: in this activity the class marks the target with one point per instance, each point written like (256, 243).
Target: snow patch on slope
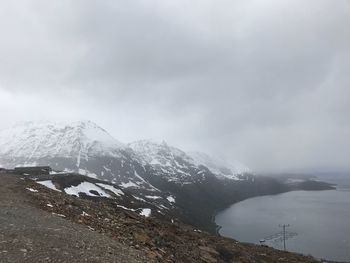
(111, 188)
(48, 184)
(146, 212)
(32, 190)
(129, 184)
(86, 188)
(171, 199)
(154, 197)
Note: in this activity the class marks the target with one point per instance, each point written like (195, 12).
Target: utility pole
(279, 237)
(284, 235)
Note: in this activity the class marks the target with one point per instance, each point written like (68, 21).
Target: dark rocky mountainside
(39, 224)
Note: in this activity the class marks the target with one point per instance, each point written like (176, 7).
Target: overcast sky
(266, 82)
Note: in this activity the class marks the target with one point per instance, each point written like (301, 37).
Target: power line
(280, 237)
(284, 226)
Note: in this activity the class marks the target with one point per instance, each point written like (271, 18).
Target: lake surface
(319, 222)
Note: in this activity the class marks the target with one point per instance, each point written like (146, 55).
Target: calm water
(319, 222)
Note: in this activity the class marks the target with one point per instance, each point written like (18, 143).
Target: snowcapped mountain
(157, 153)
(141, 176)
(86, 148)
(220, 168)
(180, 166)
(167, 162)
(36, 140)
(162, 175)
(75, 146)
(79, 147)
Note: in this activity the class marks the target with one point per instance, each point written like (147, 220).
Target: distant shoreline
(308, 185)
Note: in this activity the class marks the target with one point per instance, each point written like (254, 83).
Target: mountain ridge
(145, 169)
(30, 143)
(57, 139)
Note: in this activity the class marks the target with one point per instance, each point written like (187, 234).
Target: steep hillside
(45, 225)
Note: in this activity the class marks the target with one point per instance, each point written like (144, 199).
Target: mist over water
(319, 218)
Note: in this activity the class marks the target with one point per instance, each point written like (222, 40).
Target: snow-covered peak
(171, 161)
(153, 152)
(219, 167)
(166, 161)
(42, 139)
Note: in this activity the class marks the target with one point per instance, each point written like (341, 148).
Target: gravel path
(28, 234)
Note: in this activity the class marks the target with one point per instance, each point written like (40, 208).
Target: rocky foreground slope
(28, 233)
(39, 224)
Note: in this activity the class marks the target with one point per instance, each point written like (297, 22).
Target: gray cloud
(262, 81)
